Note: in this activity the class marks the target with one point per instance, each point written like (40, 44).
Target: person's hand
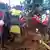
(1, 22)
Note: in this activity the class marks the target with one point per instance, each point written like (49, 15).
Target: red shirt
(36, 20)
(46, 20)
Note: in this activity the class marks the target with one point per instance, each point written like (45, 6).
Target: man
(48, 28)
(38, 9)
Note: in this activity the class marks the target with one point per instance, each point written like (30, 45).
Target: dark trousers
(49, 33)
(5, 35)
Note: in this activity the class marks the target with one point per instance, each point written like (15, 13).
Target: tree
(45, 3)
(28, 4)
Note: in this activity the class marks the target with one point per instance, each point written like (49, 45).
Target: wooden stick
(45, 44)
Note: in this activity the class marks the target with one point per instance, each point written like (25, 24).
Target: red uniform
(36, 20)
(45, 21)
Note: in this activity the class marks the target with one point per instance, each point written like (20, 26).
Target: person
(48, 28)
(38, 9)
(6, 26)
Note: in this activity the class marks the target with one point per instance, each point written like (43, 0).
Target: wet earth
(27, 44)
(30, 42)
